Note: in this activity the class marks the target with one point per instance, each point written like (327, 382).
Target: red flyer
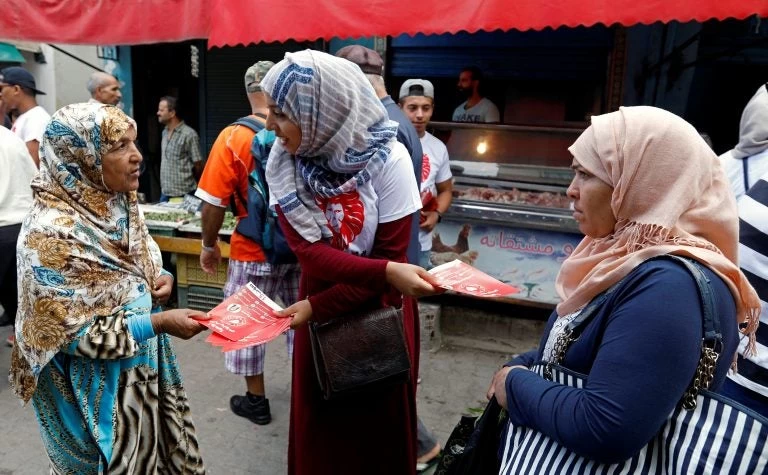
(247, 312)
(260, 336)
(461, 277)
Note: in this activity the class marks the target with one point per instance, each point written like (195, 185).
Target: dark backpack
(261, 224)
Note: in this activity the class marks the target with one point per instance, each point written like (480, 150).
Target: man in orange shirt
(224, 178)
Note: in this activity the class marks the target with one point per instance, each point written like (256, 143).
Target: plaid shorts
(281, 284)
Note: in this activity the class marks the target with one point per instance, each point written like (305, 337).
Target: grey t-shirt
(483, 111)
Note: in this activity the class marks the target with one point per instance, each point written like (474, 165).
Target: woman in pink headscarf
(646, 185)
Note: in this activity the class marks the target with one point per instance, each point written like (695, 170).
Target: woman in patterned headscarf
(95, 361)
(346, 192)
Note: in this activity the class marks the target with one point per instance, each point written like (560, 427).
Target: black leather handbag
(360, 352)
(473, 446)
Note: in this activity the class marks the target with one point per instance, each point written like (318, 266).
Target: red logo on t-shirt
(425, 168)
(345, 214)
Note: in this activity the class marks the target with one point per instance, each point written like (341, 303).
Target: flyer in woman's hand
(245, 318)
(460, 277)
(257, 338)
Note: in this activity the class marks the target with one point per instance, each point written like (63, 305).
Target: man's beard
(464, 92)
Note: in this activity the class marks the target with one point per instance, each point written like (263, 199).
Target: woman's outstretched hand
(412, 280)
(301, 312)
(181, 323)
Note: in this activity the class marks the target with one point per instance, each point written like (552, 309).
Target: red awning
(104, 22)
(231, 22)
(236, 21)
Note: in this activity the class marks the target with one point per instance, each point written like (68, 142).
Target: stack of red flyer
(246, 318)
(461, 277)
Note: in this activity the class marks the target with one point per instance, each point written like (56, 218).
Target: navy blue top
(640, 351)
(407, 136)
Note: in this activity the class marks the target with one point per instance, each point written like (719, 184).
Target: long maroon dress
(373, 433)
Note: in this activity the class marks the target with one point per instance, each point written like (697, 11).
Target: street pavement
(454, 381)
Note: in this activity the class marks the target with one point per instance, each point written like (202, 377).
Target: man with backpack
(234, 176)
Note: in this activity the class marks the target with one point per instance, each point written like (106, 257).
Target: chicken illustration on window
(442, 253)
(345, 214)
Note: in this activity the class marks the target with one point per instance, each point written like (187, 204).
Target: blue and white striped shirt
(753, 260)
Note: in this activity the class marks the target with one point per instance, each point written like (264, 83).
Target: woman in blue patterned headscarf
(345, 191)
(90, 354)
(346, 137)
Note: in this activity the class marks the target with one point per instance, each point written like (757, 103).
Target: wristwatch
(439, 216)
(209, 248)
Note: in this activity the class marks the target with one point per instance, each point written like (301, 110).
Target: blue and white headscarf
(346, 136)
(83, 250)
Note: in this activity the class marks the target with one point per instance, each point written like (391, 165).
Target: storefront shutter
(223, 89)
(563, 54)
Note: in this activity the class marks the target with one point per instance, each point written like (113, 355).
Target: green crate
(189, 272)
(199, 298)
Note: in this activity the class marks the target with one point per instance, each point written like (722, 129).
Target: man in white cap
(417, 99)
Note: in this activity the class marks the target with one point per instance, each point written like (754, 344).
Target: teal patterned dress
(113, 402)
(106, 390)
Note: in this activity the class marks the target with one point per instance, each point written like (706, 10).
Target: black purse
(473, 446)
(360, 352)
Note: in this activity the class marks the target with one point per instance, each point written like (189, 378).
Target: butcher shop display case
(510, 216)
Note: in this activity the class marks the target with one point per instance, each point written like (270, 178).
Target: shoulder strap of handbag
(711, 344)
(256, 126)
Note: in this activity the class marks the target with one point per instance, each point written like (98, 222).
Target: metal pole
(76, 58)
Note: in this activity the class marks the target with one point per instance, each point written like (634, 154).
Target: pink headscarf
(670, 196)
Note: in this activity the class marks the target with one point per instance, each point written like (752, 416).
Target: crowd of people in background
(355, 184)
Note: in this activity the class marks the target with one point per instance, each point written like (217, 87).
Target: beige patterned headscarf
(83, 250)
(670, 196)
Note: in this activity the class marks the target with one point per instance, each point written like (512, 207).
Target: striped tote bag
(718, 436)
(707, 434)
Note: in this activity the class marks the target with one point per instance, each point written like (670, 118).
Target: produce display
(544, 199)
(229, 221)
(180, 217)
(169, 217)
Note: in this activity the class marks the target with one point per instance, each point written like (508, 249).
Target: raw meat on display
(544, 199)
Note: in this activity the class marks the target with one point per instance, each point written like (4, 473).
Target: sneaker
(255, 408)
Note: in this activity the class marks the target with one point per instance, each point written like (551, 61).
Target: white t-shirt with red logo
(31, 125)
(390, 195)
(435, 168)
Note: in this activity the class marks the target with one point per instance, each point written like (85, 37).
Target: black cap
(16, 76)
